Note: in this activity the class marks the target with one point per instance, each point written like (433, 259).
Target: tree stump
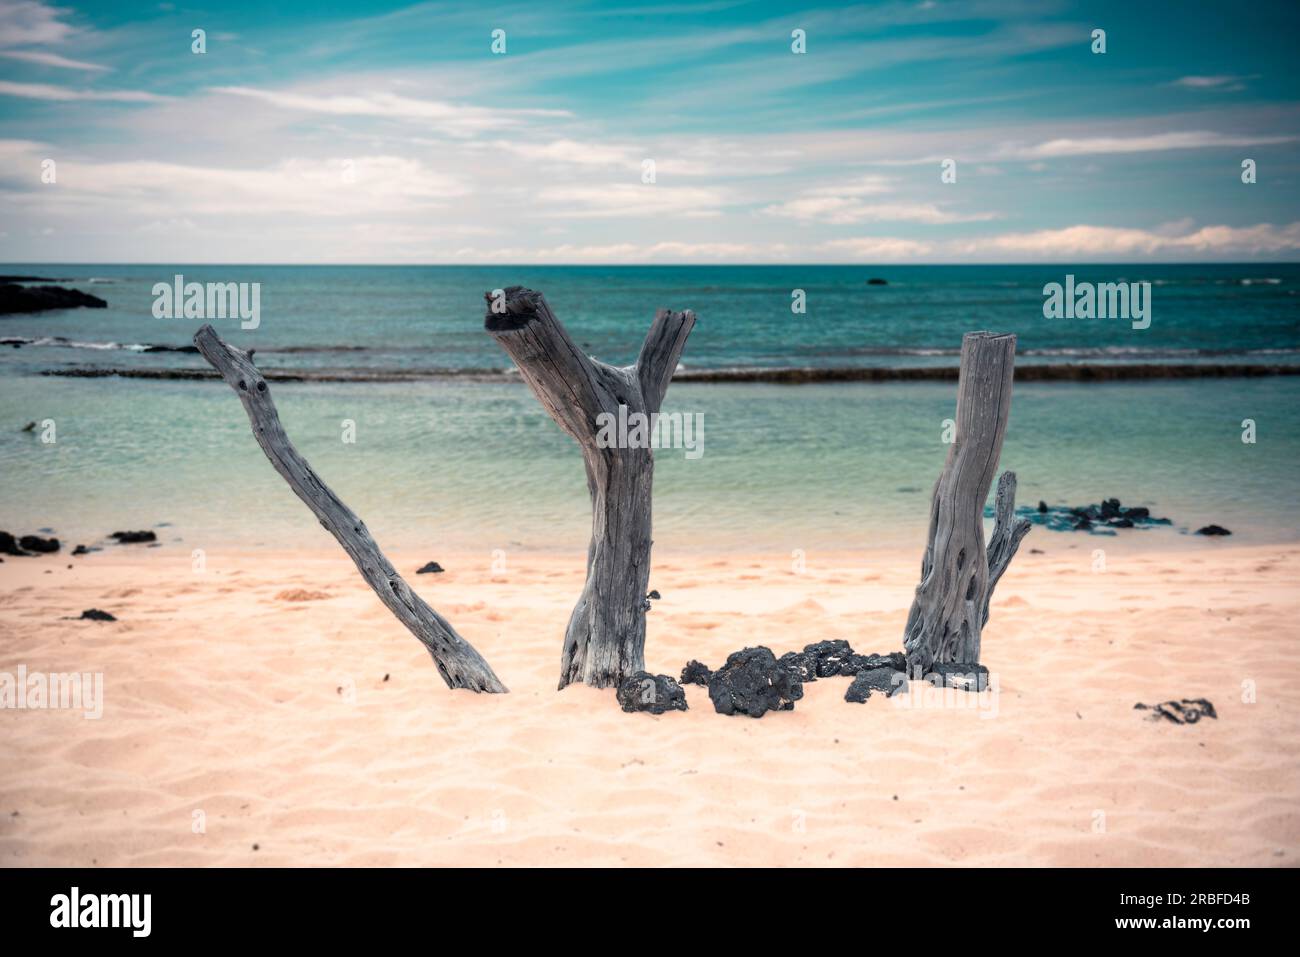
(957, 573)
(605, 638)
(458, 663)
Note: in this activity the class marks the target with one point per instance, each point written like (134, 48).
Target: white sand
(272, 717)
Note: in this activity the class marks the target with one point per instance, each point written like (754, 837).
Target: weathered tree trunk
(605, 639)
(957, 574)
(460, 665)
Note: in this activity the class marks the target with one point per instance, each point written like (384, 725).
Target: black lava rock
(14, 298)
(34, 543)
(800, 665)
(752, 683)
(9, 545)
(131, 538)
(964, 676)
(855, 664)
(81, 550)
(875, 281)
(887, 680)
(696, 673)
(828, 657)
(1213, 530)
(653, 693)
(1186, 711)
(94, 614)
(429, 568)
(1100, 519)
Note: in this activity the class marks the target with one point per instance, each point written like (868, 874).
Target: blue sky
(387, 132)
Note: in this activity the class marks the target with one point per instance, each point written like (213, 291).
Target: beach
(267, 710)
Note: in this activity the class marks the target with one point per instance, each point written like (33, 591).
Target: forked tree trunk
(957, 574)
(605, 639)
(458, 663)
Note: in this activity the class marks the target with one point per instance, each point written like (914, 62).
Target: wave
(63, 342)
(1077, 352)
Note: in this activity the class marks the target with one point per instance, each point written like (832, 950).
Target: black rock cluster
(94, 614)
(27, 545)
(1098, 519)
(888, 680)
(132, 538)
(825, 659)
(1186, 711)
(753, 683)
(696, 673)
(651, 693)
(962, 675)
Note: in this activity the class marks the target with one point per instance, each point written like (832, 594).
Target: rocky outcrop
(696, 673)
(654, 694)
(27, 545)
(18, 299)
(1184, 711)
(886, 680)
(1097, 519)
(132, 538)
(753, 683)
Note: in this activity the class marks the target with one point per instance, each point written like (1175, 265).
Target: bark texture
(458, 663)
(957, 573)
(605, 638)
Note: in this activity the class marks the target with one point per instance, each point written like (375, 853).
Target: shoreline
(1058, 372)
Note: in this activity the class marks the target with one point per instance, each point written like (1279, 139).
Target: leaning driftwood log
(460, 665)
(605, 639)
(951, 605)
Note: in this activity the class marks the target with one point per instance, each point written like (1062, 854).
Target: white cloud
(50, 59)
(840, 205)
(451, 118)
(572, 152)
(325, 188)
(841, 210)
(1222, 82)
(1110, 242)
(24, 22)
(670, 251)
(1195, 139)
(579, 201)
(45, 91)
(877, 248)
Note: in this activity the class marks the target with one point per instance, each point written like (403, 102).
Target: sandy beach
(268, 710)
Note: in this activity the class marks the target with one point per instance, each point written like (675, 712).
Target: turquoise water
(466, 464)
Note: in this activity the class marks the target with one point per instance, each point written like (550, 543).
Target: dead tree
(951, 605)
(605, 639)
(459, 664)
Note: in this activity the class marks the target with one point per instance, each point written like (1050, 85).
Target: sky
(335, 132)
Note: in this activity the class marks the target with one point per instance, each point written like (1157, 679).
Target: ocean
(451, 451)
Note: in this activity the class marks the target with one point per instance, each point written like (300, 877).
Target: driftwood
(460, 665)
(958, 575)
(605, 638)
